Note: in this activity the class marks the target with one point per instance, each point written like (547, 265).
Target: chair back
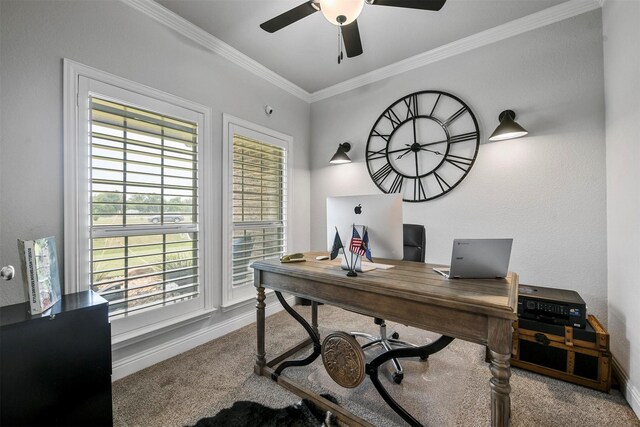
(415, 242)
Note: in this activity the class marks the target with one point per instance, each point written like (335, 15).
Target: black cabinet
(55, 368)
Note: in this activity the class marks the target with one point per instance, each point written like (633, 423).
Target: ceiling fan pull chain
(339, 45)
(340, 53)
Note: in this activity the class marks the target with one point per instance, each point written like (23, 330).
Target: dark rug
(252, 414)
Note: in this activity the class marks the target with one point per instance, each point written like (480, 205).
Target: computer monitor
(380, 213)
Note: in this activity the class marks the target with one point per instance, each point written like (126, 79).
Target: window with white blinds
(143, 206)
(259, 205)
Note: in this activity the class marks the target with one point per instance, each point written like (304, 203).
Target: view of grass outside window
(144, 208)
(259, 205)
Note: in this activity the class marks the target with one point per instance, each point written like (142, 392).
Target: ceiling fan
(343, 13)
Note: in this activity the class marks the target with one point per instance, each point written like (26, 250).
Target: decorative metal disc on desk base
(343, 359)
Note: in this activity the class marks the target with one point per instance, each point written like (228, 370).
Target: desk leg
(260, 353)
(500, 352)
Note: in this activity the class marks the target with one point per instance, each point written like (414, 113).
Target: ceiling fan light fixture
(341, 12)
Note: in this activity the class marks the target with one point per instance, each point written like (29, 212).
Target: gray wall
(547, 190)
(115, 38)
(622, 87)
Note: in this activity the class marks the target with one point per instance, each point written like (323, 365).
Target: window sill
(131, 337)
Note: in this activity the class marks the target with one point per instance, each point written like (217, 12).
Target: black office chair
(415, 249)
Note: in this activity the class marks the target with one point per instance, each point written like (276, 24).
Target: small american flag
(357, 246)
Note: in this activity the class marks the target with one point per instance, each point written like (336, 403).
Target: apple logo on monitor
(358, 209)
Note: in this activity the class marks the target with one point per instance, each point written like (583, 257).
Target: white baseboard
(627, 388)
(149, 357)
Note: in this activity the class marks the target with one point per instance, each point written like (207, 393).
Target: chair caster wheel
(425, 357)
(395, 335)
(397, 378)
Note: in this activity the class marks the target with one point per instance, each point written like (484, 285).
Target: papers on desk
(364, 266)
(368, 266)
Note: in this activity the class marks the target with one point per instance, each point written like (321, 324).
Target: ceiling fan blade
(351, 37)
(412, 4)
(288, 17)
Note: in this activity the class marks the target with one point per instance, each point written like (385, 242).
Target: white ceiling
(305, 53)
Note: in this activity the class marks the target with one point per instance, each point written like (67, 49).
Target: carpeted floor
(450, 389)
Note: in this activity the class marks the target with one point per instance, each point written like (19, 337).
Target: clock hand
(434, 143)
(421, 149)
(416, 154)
(431, 151)
(403, 154)
(406, 151)
(399, 150)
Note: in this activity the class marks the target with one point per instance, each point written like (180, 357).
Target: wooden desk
(480, 311)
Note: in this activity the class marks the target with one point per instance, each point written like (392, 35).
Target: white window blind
(259, 205)
(144, 207)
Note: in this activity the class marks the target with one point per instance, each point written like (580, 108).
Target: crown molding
(198, 35)
(522, 25)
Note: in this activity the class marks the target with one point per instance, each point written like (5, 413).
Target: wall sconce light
(341, 154)
(508, 128)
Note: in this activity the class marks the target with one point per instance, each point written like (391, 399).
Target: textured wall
(622, 87)
(547, 190)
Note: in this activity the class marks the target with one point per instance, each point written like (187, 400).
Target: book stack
(40, 273)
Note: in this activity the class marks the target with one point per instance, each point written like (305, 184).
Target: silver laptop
(478, 259)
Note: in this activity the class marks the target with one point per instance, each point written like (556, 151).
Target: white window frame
(79, 82)
(238, 295)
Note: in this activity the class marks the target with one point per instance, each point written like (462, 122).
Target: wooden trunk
(580, 356)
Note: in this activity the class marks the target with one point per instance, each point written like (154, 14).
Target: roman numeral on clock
(393, 117)
(376, 133)
(444, 185)
(454, 116)
(435, 104)
(419, 192)
(463, 137)
(412, 106)
(396, 185)
(462, 163)
(381, 174)
(380, 154)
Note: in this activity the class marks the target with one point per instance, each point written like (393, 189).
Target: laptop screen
(480, 258)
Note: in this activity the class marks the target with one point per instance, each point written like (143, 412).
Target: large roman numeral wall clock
(423, 145)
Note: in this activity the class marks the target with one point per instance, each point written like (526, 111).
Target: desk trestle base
(313, 334)
(371, 369)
